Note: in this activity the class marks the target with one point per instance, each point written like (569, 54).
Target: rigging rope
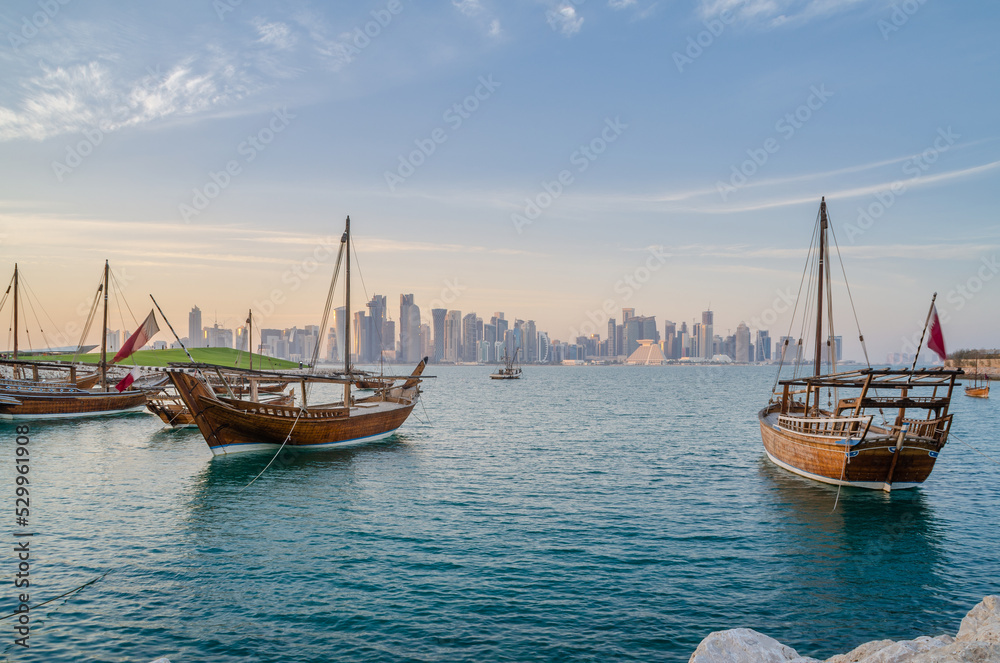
(992, 460)
(861, 336)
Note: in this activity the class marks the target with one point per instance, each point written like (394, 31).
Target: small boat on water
(231, 425)
(508, 371)
(842, 443)
(63, 398)
(980, 387)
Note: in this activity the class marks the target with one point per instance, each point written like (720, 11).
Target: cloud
(774, 13)
(564, 19)
(474, 9)
(620, 4)
(81, 97)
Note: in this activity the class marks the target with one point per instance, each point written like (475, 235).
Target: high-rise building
(670, 340)
(707, 334)
(837, 344)
(453, 336)
(763, 346)
(530, 342)
(612, 337)
(409, 329)
(633, 332)
(194, 328)
(339, 329)
(438, 316)
(426, 341)
(787, 349)
(115, 341)
(626, 314)
(360, 341)
(470, 337)
(376, 312)
(544, 348)
(216, 337)
(742, 344)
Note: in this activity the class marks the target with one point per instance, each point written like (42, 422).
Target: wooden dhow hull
(977, 392)
(67, 403)
(875, 458)
(231, 426)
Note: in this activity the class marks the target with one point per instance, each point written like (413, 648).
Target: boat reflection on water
(291, 471)
(875, 549)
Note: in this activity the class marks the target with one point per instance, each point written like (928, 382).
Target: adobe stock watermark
(580, 159)
(703, 40)
(915, 167)
(450, 293)
(453, 117)
(785, 128)
(249, 149)
(900, 16)
(77, 152)
(625, 287)
(293, 277)
(31, 26)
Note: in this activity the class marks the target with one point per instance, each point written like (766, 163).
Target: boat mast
(15, 310)
(104, 333)
(250, 336)
(346, 241)
(822, 273)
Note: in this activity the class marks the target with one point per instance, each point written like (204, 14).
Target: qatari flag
(936, 340)
(139, 338)
(128, 380)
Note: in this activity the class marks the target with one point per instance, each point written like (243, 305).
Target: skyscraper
(453, 336)
(742, 344)
(437, 317)
(707, 338)
(194, 328)
(376, 312)
(409, 329)
(612, 337)
(763, 346)
(670, 340)
(470, 337)
(530, 341)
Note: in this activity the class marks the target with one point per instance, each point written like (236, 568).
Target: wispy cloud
(563, 18)
(774, 13)
(483, 16)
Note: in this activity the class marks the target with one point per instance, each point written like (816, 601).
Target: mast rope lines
(276, 453)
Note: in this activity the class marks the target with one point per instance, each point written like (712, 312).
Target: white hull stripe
(871, 485)
(268, 446)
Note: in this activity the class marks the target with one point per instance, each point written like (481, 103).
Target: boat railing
(826, 427)
(930, 430)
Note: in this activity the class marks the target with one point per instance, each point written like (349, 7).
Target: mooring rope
(72, 591)
(992, 460)
(276, 453)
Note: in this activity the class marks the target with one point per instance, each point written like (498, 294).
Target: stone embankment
(978, 641)
(990, 367)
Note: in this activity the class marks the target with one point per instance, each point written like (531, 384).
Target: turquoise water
(579, 514)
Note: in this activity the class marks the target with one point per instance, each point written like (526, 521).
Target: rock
(978, 641)
(744, 645)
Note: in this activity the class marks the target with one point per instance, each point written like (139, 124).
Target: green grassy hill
(218, 356)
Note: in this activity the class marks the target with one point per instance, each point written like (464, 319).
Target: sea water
(578, 514)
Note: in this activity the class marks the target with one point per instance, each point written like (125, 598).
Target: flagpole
(930, 312)
(172, 330)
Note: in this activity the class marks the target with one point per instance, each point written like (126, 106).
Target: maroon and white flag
(936, 340)
(128, 380)
(138, 339)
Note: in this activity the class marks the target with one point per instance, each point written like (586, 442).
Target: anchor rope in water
(72, 591)
(276, 453)
(992, 460)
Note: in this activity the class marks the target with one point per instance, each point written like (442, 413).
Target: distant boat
(508, 371)
(978, 388)
(230, 425)
(842, 444)
(38, 399)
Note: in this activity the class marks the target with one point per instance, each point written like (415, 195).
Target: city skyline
(212, 154)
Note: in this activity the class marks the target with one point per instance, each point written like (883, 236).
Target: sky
(551, 159)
